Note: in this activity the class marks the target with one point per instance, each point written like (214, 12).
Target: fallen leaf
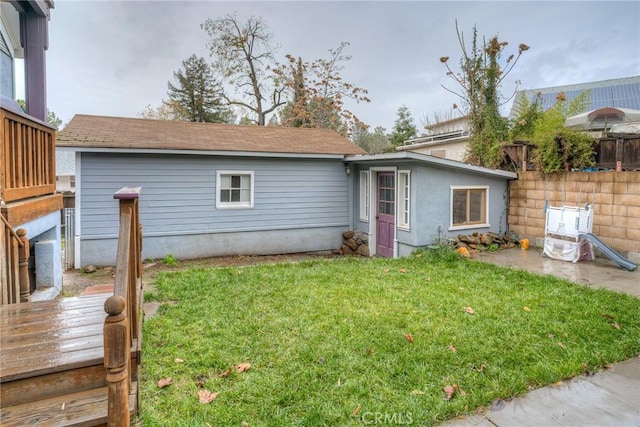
(408, 337)
(386, 270)
(403, 270)
(469, 310)
(370, 351)
(558, 384)
(178, 360)
(243, 367)
(462, 392)
(244, 424)
(164, 382)
(481, 368)
(321, 360)
(560, 344)
(526, 308)
(415, 392)
(616, 325)
(449, 391)
(452, 348)
(428, 279)
(418, 255)
(225, 373)
(607, 316)
(206, 396)
(355, 412)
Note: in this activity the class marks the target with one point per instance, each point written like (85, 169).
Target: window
(469, 207)
(234, 189)
(404, 195)
(364, 195)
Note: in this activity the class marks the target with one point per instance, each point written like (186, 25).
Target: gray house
(212, 190)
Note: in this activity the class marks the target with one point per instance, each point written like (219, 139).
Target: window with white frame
(364, 195)
(469, 207)
(404, 198)
(234, 189)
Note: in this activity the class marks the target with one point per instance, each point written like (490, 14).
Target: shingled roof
(120, 132)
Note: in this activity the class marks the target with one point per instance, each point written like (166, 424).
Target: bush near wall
(615, 197)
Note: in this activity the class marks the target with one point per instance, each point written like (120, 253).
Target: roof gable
(84, 131)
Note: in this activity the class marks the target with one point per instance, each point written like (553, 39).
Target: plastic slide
(609, 252)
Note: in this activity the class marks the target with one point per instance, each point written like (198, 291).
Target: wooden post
(23, 263)
(117, 350)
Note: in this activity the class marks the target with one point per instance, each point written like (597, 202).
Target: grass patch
(326, 339)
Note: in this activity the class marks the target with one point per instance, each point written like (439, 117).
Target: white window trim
(486, 224)
(365, 195)
(400, 200)
(234, 205)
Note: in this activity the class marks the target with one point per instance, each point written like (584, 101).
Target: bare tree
(478, 81)
(243, 55)
(319, 93)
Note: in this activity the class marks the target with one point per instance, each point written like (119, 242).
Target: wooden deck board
(86, 408)
(58, 335)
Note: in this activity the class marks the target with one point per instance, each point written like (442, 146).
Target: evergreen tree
(196, 93)
(404, 128)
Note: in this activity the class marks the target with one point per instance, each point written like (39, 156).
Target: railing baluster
(117, 352)
(123, 310)
(27, 158)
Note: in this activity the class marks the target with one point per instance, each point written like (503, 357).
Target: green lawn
(327, 341)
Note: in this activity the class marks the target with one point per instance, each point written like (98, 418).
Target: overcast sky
(114, 58)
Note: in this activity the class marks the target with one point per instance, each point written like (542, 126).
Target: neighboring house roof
(454, 124)
(431, 160)
(618, 93)
(100, 132)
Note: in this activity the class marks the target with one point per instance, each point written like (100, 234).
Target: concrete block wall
(615, 197)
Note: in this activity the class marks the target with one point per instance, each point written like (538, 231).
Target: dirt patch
(74, 282)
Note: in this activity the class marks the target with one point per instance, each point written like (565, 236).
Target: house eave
(221, 153)
(431, 160)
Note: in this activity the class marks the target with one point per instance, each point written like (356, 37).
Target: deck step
(85, 408)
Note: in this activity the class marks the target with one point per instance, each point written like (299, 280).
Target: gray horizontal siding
(178, 193)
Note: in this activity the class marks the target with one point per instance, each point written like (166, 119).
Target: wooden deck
(52, 363)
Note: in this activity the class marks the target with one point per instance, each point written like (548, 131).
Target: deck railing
(123, 325)
(14, 264)
(27, 157)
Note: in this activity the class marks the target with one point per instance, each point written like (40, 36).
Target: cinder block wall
(615, 197)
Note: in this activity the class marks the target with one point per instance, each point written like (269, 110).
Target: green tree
(52, 118)
(196, 95)
(479, 79)
(243, 56)
(372, 143)
(403, 127)
(557, 148)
